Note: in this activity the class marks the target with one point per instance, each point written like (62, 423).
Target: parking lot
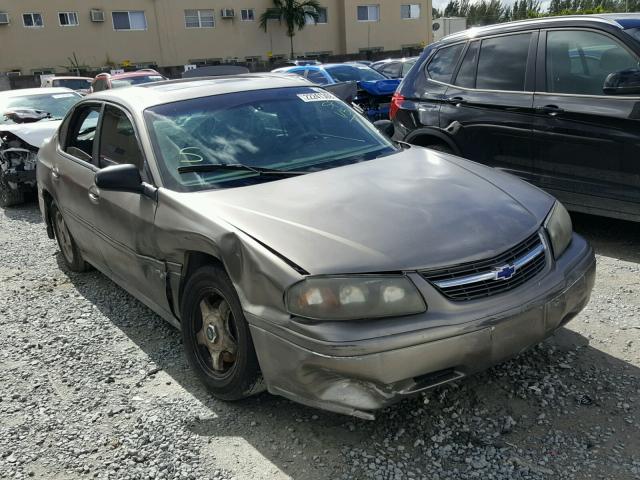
(94, 385)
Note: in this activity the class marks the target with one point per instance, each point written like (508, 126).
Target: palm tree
(293, 13)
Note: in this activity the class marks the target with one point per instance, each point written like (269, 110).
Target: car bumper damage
(359, 377)
(17, 163)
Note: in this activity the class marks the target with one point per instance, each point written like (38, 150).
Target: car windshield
(301, 129)
(73, 83)
(354, 73)
(138, 80)
(56, 104)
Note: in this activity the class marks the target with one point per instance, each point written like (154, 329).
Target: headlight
(352, 298)
(559, 228)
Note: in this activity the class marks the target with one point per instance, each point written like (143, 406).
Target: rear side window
(316, 77)
(503, 63)
(82, 133)
(444, 61)
(392, 70)
(118, 142)
(467, 74)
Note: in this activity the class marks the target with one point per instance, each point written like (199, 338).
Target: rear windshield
(299, 129)
(139, 80)
(354, 73)
(56, 105)
(73, 83)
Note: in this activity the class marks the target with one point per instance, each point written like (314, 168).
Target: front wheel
(216, 336)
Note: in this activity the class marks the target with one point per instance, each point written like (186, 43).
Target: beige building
(41, 36)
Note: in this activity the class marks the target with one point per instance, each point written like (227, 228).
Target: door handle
(457, 101)
(55, 173)
(94, 196)
(551, 110)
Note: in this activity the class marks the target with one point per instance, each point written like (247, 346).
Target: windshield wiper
(213, 167)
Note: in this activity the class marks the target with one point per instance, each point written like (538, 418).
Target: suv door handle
(94, 195)
(455, 100)
(55, 173)
(551, 110)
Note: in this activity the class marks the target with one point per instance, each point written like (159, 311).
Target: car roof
(619, 20)
(140, 97)
(23, 92)
(389, 60)
(137, 73)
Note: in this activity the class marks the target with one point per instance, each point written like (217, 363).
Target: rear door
(124, 220)
(488, 108)
(72, 177)
(587, 142)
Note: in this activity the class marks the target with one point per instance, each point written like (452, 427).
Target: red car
(106, 81)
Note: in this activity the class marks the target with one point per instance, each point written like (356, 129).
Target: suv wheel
(216, 336)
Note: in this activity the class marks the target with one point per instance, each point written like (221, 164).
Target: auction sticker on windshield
(319, 96)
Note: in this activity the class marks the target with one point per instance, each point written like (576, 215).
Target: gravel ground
(94, 385)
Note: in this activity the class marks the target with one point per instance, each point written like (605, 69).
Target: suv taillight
(396, 104)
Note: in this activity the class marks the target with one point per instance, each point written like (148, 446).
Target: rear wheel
(70, 251)
(9, 196)
(216, 336)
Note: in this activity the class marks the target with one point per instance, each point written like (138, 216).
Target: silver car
(301, 251)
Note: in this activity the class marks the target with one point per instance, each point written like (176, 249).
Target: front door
(488, 108)
(587, 142)
(125, 223)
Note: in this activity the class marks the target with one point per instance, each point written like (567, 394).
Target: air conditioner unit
(13, 74)
(97, 16)
(4, 18)
(228, 13)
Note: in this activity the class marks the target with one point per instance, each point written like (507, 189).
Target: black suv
(555, 101)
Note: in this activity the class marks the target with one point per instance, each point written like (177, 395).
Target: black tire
(68, 248)
(441, 148)
(9, 196)
(237, 375)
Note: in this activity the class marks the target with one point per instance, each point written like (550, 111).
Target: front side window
(199, 18)
(53, 106)
(354, 73)
(368, 13)
(322, 17)
(247, 15)
(32, 20)
(82, 132)
(302, 129)
(444, 62)
(503, 63)
(316, 77)
(579, 61)
(118, 141)
(467, 74)
(410, 11)
(68, 19)
(130, 20)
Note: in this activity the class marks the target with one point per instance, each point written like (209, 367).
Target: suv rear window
(444, 61)
(503, 62)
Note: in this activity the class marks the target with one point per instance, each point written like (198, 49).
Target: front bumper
(357, 377)
(24, 180)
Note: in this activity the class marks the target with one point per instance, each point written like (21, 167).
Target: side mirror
(121, 178)
(385, 127)
(622, 82)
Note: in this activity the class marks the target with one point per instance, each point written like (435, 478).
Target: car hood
(411, 210)
(35, 134)
(380, 87)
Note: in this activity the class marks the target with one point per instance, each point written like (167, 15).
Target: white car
(28, 118)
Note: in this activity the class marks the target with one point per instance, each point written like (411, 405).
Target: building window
(32, 20)
(131, 20)
(368, 13)
(68, 19)
(410, 11)
(322, 17)
(199, 18)
(247, 15)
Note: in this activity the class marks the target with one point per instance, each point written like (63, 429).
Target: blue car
(374, 90)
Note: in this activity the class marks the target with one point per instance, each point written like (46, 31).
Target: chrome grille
(473, 280)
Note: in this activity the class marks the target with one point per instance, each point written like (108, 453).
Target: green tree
(293, 13)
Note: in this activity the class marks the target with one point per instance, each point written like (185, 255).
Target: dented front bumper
(357, 377)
